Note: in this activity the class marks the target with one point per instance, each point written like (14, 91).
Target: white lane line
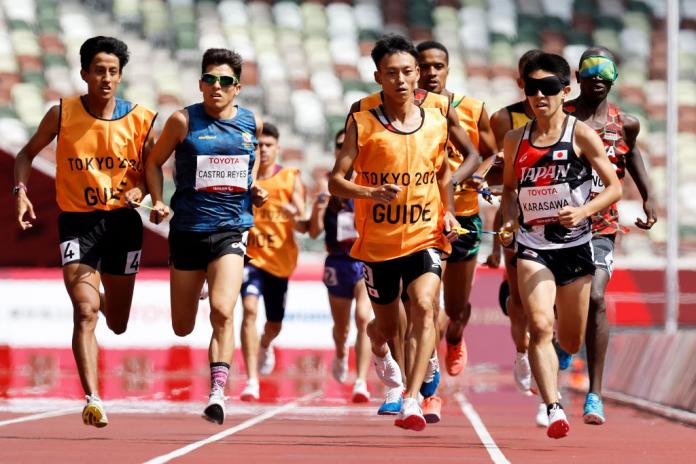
(496, 455)
(232, 430)
(43, 415)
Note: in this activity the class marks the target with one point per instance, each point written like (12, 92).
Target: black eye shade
(548, 86)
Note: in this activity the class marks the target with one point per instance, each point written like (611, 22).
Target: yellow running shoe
(94, 413)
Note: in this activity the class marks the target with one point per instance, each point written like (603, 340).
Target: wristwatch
(18, 187)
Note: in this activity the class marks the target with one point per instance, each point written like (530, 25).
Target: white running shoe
(542, 418)
(411, 415)
(251, 390)
(558, 422)
(339, 369)
(388, 370)
(266, 360)
(360, 392)
(215, 410)
(522, 372)
(94, 413)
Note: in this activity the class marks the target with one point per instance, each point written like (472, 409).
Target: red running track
(324, 427)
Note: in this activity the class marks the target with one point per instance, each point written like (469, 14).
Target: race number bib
(222, 173)
(597, 184)
(345, 227)
(540, 205)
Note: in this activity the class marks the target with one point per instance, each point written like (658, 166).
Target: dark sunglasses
(548, 86)
(339, 145)
(225, 81)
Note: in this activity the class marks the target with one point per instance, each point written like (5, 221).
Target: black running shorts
(108, 241)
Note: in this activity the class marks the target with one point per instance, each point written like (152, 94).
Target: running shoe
(251, 390)
(542, 417)
(339, 369)
(522, 372)
(456, 358)
(432, 407)
(94, 413)
(215, 410)
(266, 360)
(432, 378)
(411, 416)
(558, 423)
(564, 358)
(360, 392)
(388, 370)
(594, 410)
(392, 402)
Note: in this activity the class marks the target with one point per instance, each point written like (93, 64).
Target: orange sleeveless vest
(413, 221)
(98, 160)
(271, 244)
(469, 113)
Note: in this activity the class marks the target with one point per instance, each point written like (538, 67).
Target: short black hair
(597, 51)
(430, 44)
(270, 130)
(392, 43)
(218, 56)
(550, 62)
(94, 45)
(526, 57)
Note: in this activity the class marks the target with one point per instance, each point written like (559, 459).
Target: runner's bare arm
(636, 167)
(444, 185)
(46, 132)
(137, 193)
(298, 203)
(501, 125)
(588, 144)
(174, 132)
(462, 143)
(258, 194)
(487, 142)
(341, 187)
(316, 220)
(509, 200)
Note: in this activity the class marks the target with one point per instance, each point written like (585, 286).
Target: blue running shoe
(392, 402)
(564, 358)
(594, 410)
(432, 378)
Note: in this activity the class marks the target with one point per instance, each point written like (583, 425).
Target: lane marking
(43, 415)
(468, 409)
(232, 430)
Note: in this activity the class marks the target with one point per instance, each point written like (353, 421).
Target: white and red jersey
(549, 179)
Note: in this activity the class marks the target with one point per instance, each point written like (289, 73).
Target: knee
(221, 317)
(597, 303)
(570, 344)
(85, 314)
(361, 322)
(540, 329)
(273, 327)
(423, 307)
(181, 330)
(117, 327)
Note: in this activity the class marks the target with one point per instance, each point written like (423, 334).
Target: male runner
(403, 205)
(548, 174)
(214, 143)
(343, 277)
(458, 270)
(273, 252)
(618, 131)
(100, 154)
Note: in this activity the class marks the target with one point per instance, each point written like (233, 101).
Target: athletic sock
(218, 375)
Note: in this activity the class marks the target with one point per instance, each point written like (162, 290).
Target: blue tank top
(333, 245)
(214, 172)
